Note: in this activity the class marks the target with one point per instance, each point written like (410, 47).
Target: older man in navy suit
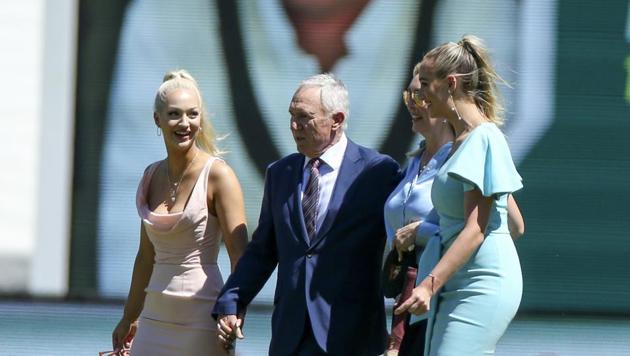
(321, 223)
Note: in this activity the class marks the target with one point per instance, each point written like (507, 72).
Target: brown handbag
(393, 275)
(398, 321)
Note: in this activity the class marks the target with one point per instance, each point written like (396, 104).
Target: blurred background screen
(567, 115)
(567, 111)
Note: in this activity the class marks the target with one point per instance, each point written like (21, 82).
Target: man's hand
(229, 329)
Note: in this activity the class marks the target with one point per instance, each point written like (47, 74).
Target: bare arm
(515, 219)
(142, 269)
(230, 210)
(229, 206)
(477, 208)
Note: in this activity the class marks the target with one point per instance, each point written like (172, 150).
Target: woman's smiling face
(421, 119)
(433, 90)
(180, 118)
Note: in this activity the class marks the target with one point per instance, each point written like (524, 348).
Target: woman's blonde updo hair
(469, 60)
(181, 79)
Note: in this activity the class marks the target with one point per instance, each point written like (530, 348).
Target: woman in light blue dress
(469, 279)
(409, 217)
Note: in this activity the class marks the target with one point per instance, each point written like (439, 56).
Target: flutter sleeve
(484, 161)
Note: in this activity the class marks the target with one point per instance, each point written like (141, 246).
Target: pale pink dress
(176, 318)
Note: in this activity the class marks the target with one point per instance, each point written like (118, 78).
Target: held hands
(405, 238)
(123, 335)
(229, 329)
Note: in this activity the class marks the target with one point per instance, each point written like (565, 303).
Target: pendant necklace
(174, 187)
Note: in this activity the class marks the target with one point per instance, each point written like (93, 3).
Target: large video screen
(567, 111)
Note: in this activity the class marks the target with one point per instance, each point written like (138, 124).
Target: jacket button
(308, 255)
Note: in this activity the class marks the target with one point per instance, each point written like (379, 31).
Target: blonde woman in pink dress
(187, 203)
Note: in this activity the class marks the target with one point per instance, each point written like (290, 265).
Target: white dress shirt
(328, 172)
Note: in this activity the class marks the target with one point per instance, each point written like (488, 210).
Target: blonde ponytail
(469, 60)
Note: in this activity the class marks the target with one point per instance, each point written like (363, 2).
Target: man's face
(313, 129)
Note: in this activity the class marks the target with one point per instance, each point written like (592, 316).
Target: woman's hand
(419, 302)
(405, 237)
(229, 328)
(123, 334)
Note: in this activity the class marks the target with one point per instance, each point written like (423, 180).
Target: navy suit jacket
(335, 277)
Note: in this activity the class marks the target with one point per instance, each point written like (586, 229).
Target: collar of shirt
(333, 156)
(434, 163)
(440, 156)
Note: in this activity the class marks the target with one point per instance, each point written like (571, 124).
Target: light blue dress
(475, 306)
(411, 200)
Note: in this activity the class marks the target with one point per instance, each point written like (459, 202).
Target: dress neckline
(454, 149)
(148, 187)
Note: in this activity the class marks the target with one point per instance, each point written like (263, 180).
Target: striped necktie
(311, 197)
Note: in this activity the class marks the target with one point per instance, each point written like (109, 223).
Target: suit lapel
(349, 170)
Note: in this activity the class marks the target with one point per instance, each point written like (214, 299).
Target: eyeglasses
(414, 95)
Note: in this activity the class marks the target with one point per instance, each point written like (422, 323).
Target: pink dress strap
(143, 188)
(197, 201)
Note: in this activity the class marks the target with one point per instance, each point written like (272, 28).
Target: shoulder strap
(201, 195)
(143, 186)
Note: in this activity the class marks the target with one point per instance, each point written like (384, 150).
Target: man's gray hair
(333, 93)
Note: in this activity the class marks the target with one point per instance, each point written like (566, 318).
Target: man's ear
(338, 119)
(156, 119)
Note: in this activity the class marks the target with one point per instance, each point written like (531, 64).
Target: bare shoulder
(221, 173)
(223, 186)
(153, 165)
